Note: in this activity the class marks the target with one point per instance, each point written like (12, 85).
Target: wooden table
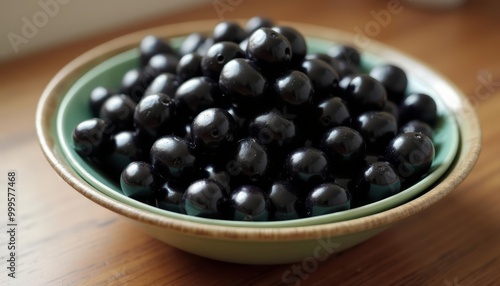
(65, 239)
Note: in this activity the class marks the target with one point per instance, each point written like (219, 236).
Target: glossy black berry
(327, 198)
(294, 92)
(379, 181)
(256, 23)
(118, 112)
(418, 106)
(329, 113)
(169, 196)
(97, 97)
(166, 83)
(344, 84)
(393, 78)
(191, 43)
(269, 50)
(243, 85)
(297, 42)
(285, 201)
(323, 77)
(377, 128)
(411, 154)
(338, 66)
(137, 181)
(154, 115)
(344, 146)
(243, 45)
(250, 163)
(134, 84)
(91, 137)
(345, 53)
(307, 166)
(364, 93)
(344, 69)
(126, 147)
(217, 56)
(196, 95)
(392, 108)
(158, 64)
(417, 126)
(228, 31)
(204, 198)
(189, 66)
(150, 46)
(250, 203)
(219, 174)
(334, 63)
(213, 130)
(240, 80)
(350, 183)
(273, 130)
(172, 158)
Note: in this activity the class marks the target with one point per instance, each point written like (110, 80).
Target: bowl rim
(470, 145)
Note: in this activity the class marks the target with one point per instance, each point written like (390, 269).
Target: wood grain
(65, 239)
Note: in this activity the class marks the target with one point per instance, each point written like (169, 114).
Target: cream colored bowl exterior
(254, 245)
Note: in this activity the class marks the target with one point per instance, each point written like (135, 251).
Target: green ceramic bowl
(64, 102)
(109, 73)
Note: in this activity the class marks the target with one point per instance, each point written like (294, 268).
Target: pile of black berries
(244, 124)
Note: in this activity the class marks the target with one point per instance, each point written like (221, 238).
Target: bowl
(109, 72)
(244, 242)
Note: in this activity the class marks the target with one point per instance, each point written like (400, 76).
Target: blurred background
(30, 26)
(445, 34)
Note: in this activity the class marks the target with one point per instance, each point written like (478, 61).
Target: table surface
(65, 239)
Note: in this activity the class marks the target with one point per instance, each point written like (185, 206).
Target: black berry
(411, 154)
(250, 203)
(327, 198)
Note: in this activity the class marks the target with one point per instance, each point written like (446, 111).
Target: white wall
(30, 25)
